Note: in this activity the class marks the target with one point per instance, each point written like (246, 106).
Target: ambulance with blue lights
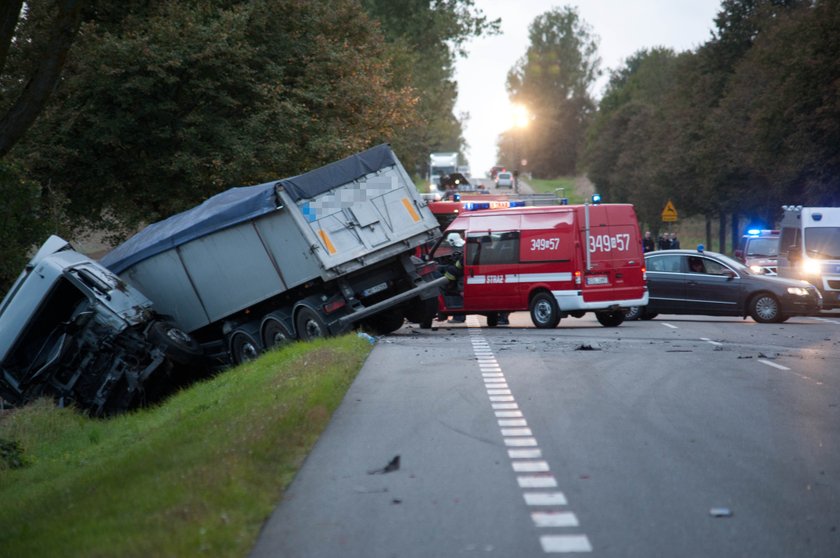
(552, 261)
(809, 249)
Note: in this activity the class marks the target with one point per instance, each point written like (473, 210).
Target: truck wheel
(243, 347)
(492, 320)
(310, 325)
(275, 333)
(610, 319)
(385, 322)
(544, 311)
(177, 345)
(765, 309)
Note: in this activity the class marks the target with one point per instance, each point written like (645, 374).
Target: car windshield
(823, 242)
(763, 247)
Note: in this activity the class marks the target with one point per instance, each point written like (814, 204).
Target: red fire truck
(553, 261)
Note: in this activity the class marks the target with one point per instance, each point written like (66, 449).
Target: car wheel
(765, 309)
(310, 325)
(610, 319)
(633, 313)
(544, 311)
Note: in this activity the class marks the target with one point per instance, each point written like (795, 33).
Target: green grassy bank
(196, 475)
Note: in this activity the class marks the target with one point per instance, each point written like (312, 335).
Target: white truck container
(809, 249)
(441, 164)
(298, 258)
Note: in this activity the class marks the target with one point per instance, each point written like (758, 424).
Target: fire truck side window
(493, 248)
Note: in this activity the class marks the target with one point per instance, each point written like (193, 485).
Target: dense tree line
(162, 103)
(730, 131)
(747, 122)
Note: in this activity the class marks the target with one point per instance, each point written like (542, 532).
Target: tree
(47, 50)
(553, 80)
(166, 103)
(427, 37)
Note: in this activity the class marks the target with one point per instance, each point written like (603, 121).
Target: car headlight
(798, 291)
(756, 268)
(811, 267)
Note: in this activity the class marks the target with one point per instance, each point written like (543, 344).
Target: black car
(694, 282)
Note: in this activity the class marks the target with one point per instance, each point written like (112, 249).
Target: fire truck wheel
(309, 325)
(492, 320)
(544, 311)
(610, 319)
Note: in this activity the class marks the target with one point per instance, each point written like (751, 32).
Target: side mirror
(729, 274)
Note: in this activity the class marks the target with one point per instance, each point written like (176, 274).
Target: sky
(622, 27)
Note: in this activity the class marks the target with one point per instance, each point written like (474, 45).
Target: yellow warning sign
(669, 214)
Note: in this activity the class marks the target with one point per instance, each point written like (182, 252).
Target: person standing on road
(675, 242)
(647, 243)
(454, 271)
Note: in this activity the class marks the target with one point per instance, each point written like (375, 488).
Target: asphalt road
(680, 436)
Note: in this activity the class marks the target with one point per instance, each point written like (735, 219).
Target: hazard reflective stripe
(521, 278)
(326, 240)
(411, 210)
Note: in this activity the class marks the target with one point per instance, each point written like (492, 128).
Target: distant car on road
(504, 179)
(711, 284)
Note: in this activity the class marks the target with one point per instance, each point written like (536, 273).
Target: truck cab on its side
(72, 330)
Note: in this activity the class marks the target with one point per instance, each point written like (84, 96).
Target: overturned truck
(249, 269)
(299, 258)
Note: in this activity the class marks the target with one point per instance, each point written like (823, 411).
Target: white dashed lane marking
(533, 474)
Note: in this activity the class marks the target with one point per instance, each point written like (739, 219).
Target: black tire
(544, 311)
(765, 309)
(577, 314)
(492, 320)
(243, 347)
(177, 345)
(648, 315)
(385, 322)
(610, 319)
(633, 313)
(275, 334)
(310, 325)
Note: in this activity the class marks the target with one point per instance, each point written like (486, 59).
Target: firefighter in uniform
(455, 271)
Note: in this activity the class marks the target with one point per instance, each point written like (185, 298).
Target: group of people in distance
(666, 241)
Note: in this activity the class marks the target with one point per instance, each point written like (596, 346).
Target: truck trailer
(299, 258)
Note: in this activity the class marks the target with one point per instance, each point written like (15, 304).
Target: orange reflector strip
(411, 210)
(326, 240)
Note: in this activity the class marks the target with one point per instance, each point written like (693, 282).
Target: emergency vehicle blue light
(519, 203)
(596, 198)
(475, 206)
(700, 248)
(457, 197)
(816, 216)
(754, 231)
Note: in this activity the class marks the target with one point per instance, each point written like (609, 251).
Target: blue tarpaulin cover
(241, 204)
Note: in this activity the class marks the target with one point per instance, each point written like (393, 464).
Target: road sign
(669, 214)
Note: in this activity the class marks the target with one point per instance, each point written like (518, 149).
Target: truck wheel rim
(178, 336)
(543, 311)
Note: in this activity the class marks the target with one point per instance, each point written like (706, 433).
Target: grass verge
(197, 475)
(543, 186)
